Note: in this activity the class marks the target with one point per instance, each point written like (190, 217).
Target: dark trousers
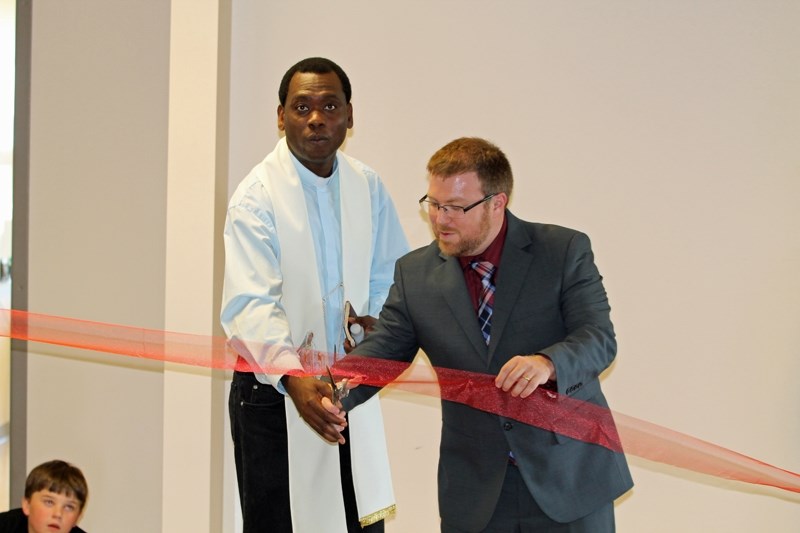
(518, 512)
(260, 449)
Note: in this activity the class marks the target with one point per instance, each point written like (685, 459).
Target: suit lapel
(449, 278)
(515, 264)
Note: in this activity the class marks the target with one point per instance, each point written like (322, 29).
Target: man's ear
(502, 200)
(26, 506)
(280, 117)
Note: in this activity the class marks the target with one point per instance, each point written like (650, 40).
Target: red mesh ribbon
(544, 409)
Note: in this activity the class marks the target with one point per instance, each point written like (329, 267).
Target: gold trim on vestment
(377, 516)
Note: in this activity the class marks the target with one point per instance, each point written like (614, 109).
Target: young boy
(55, 495)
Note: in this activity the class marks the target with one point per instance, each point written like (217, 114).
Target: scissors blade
(337, 392)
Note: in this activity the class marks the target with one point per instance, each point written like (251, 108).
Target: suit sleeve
(393, 339)
(590, 344)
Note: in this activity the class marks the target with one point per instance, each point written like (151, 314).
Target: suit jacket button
(507, 426)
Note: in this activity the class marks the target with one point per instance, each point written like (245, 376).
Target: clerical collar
(309, 178)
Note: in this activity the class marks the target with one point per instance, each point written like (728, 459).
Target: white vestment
(314, 477)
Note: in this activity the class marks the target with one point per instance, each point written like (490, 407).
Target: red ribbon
(544, 409)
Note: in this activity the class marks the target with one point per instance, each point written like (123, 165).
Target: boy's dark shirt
(15, 521)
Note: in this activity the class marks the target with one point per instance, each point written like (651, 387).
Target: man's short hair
(317, 65)
(59, 477)
(473, 154)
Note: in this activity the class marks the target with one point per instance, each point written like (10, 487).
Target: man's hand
(522, 374)
(367, 322)
(308, 395)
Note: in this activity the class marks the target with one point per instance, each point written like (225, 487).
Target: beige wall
(98, 148)
(121, 228)
(667, 131)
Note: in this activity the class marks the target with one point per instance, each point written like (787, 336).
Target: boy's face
(51, 512)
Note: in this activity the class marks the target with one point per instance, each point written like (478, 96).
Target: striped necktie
(485, 270)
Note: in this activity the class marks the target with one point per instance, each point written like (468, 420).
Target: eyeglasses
(453, 211)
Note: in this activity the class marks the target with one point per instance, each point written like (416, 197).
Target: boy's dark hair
(317, 65)
(59, 477)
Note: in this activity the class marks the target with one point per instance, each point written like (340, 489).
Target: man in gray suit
(523, 302)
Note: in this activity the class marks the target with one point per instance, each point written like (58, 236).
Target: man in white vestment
(308, 230)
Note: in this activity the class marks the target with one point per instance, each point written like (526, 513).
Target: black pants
(260, 449)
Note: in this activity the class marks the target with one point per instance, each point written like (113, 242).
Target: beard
(467, 244)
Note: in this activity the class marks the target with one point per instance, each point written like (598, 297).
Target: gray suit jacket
(549, 299)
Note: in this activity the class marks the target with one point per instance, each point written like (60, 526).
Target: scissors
(340, 391)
